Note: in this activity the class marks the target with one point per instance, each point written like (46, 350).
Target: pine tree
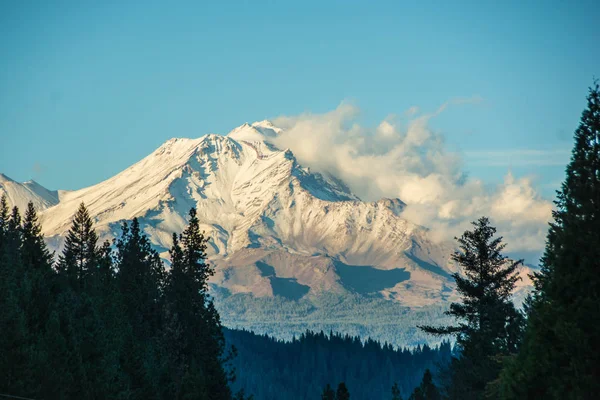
(560, 356)
(140, 278)
(489, 325)
(37, 277)
(427, 390)
(328, 393)
(342, 392)
(15, 336)
(140, 281)
(189, 311)
(396, 392)
(80, 255)
(35, 254)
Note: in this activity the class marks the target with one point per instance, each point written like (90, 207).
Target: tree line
(300, 368)
(107, 321)
(111, 321)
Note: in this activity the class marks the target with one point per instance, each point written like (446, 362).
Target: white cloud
(403, 157)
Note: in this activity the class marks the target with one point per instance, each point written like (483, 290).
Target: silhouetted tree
(396, 392)
(328, 393)
(79, 254)
(342, 392)
(427, 390)
(560, 357)
(489, 325)
(189, 311)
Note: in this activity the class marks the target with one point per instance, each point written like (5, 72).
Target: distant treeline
(300, 368)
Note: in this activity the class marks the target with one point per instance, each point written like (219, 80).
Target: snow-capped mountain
(19, 194)
(281, 236)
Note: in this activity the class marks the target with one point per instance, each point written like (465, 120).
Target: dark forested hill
(299, 369)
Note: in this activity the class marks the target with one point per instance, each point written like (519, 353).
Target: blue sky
(88, 88)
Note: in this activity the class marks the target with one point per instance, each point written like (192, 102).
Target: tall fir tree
(140, 278)
(37, 280)
(489, 325)
(560, 356)
(80, 254)
(190, 310)
(140, 281)
(15, 336)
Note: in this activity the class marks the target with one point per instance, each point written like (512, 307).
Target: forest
(110, 321)
(301, 368)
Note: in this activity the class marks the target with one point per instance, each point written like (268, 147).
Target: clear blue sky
(88, 88)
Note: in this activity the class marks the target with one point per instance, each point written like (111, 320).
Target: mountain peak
(259, 131)
(4, 178)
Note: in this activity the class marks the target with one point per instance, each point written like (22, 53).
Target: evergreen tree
(427, 390)
(328, 393)
(79, 256)
(37, 263)
(15, 336)
(189, 311)
(489, 325)
(140, 281)
(342, 392)
(396, 392)
(140, 278)
(560, 356)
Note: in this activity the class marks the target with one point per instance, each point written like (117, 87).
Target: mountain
(19, 194)
(293, 248)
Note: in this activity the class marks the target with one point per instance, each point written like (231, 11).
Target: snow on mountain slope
(251, 195)
(19, 194)
(281, 236)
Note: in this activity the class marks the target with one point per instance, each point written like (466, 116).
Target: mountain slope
(293, 248)
(19, 194)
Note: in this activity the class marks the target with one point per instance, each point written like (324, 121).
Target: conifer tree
(140, 280)
(427, 390)
(80, 255)
(106, 273)
(36, 261)
(35, 254)
(190, 310)
(489, 325)
(328, 393)
(560, 356)
(396, 392)
(342, 392)
(15, 336)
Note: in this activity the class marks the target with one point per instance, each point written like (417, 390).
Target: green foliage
(561, 351)
(489, 325)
